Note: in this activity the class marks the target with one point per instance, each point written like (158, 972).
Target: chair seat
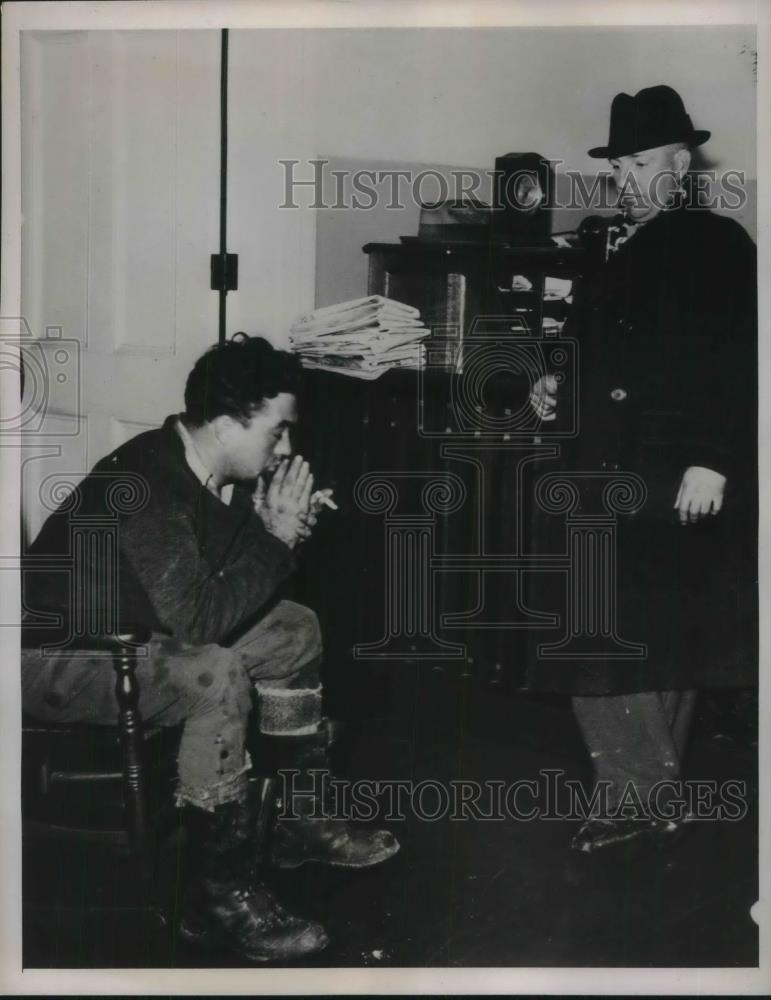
(73, 782)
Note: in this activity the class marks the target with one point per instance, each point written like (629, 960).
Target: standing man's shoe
(597, 833)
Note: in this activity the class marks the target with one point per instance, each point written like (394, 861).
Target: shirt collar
(197, 466)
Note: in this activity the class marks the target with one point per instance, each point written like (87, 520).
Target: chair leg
(130, 727)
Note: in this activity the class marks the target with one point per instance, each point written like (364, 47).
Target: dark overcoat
(667, 379)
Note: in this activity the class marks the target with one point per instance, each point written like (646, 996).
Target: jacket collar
(185, 448)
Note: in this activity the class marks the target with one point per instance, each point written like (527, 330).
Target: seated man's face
(260, 445)
(645, 181)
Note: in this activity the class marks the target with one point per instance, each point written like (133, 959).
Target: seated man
(200, 558)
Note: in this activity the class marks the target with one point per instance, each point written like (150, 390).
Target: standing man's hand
(701, 493)
(543, 398)
(285, 506)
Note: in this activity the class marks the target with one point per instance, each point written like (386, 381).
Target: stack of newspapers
(364, 337)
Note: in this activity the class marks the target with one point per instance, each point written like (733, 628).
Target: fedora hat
(654, 117)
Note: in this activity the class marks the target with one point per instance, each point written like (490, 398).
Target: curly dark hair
(235, 378)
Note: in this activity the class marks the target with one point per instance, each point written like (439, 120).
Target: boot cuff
(289, 711)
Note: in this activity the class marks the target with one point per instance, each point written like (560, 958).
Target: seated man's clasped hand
(287, 507)
(285, 504)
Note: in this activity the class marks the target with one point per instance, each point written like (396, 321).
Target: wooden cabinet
(456, 284)
(426, 558)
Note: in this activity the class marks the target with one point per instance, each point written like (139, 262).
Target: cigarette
(321, 497)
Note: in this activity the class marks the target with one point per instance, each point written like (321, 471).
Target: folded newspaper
(363, 337)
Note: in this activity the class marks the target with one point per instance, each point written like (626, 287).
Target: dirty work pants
(207, 689)
(638, 738)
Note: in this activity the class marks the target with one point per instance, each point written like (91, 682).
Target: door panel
(272, 113)
(120, 158)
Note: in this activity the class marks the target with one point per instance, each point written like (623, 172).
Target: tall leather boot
(228, 906)
(315, 834)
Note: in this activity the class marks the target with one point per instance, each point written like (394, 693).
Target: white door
(120, 202)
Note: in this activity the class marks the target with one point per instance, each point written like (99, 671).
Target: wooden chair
(90, 792)
(69, 769)
(111, 785)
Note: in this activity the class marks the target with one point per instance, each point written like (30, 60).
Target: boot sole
(212, 939)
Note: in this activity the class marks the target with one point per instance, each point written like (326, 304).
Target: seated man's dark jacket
(188, 565)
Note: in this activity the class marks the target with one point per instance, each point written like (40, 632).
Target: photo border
(215, 14)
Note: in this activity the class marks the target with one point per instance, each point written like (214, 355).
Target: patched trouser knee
(282, 655)
(212, 757)
(203, 688)
(282, 643)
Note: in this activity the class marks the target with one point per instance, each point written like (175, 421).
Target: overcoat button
(618, 395)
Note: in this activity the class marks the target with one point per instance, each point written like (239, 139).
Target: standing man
(201, 558)
(667, 391)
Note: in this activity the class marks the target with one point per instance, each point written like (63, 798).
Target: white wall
(120, 145)
(441, 97)
(432, 96)
(464, 96)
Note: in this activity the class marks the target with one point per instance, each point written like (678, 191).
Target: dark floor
(465, 893)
